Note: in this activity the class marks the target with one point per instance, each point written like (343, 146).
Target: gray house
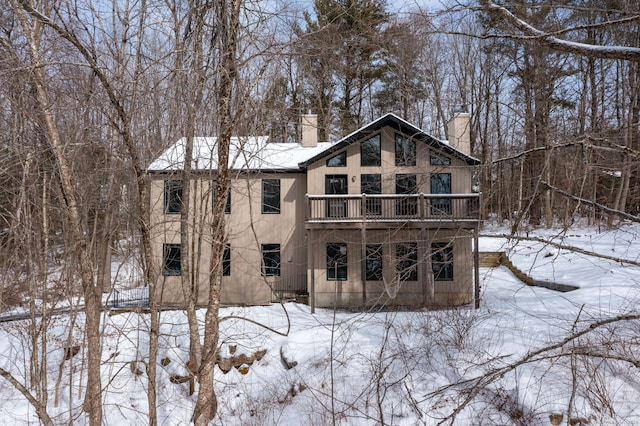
(384, 216)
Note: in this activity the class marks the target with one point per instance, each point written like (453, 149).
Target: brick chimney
(458, 131)
(309, 125)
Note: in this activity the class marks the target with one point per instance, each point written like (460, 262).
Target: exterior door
(406, 184)
(372, 184)
(441, 184)
(336, 185)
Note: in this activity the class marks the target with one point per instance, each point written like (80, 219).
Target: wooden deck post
(424, 268)
(363, 248)
(311, 272)
(476, 268)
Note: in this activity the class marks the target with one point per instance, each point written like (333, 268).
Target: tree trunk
(228, 20)
(92, 294)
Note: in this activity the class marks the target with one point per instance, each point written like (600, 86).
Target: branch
(613, 148)
(595, 354)
(271, 329)
(565, 247)
(529, 151)
(481, 382)
(592, 203)
(583, 49)
(40, 409)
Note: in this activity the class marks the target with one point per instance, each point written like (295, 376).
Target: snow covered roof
(253, 153)
(245, 153)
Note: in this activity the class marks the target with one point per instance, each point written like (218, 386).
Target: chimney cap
(459, 109)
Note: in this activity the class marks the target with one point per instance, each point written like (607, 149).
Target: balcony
(385, 210)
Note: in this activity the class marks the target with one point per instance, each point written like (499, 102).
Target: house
(386, 215)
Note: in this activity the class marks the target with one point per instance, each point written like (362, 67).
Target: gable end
(397, 124)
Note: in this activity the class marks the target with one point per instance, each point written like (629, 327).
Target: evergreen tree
(340, 54)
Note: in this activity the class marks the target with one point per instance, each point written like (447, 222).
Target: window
(271, 196)
(172, 196)
(227, 207)
(171, 264)
(372, 184)
(407, 261)
(338, 160)
(437, 159)
(405, 151)
(406, 184)
(336, 185)
(374, 262)
(271, 260)
(441, 184)
(370, 152)
(226, 261)
(336, 261)
(442, 261)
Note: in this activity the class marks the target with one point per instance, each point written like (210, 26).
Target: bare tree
(605, 112)
(112, 80)
(550, 39)
(33, 30)
(228, 21)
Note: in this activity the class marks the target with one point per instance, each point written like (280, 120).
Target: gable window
(437, 159)
(407, 261)
(336, 261)
(172, 196)
(442, 261)
(226, 261)
(441, 184)
(271, 260)
(405, 151)
(271, 196)
(406, 184)
(373, 264)
(338, 160)
(370, 152)
(372, 184)
(171, 262)
(227, 207)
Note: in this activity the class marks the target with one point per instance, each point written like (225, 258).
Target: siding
(247, 229)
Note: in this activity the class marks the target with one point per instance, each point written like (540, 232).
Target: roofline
(213, 172)
(401, 125)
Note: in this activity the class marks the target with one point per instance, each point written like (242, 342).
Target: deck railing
(290, 286)
(128, 299)
(393, 207)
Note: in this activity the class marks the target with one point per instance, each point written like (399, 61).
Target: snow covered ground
(394, 368)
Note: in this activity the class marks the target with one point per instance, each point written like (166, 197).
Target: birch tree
(119, 83)
(33, 31)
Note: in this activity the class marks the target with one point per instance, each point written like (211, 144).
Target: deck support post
(363, 263)
(311, 272)
(476, 268)
(424, 268)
